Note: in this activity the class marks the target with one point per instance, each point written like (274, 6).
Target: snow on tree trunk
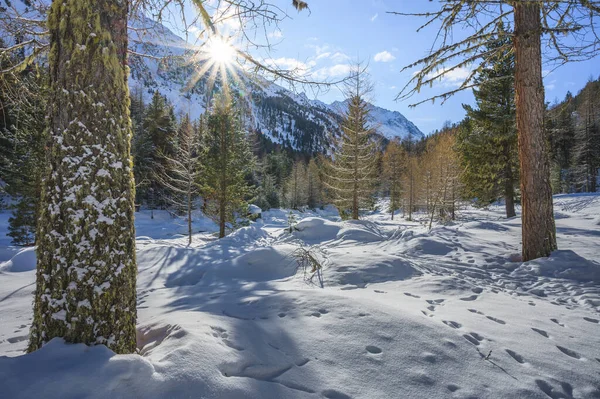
(86, 270)
(539, 231)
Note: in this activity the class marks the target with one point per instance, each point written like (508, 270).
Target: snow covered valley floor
(397, 311)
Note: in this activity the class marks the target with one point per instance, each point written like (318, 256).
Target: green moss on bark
(86, 271)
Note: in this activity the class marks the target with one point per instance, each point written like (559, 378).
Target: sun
(220, 51)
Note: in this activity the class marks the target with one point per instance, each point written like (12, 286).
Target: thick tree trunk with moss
(539, 231)
(86, 271)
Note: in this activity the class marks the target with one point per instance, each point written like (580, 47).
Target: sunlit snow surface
(397, 312)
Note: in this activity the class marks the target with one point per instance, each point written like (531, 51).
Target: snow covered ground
(396, 312)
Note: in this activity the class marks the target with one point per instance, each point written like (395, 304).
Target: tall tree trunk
(86, 271)
(509, 188)
(189, 215)
(539, 231)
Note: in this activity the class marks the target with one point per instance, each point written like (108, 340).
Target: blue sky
(337, 32)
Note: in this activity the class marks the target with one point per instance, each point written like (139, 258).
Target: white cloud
(290, 64)
(335, 71)
(275, 34)
(340, 57)
(453, 78)
(374, 17)
(384, 56)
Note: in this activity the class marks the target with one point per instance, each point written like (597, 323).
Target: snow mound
(261, 264)
(485, 225)
(412, 243)
(316, 230)
(361, 231)
(23, 261)
(561, 264)
(362, 270)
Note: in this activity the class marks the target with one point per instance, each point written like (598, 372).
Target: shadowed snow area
(396, 311)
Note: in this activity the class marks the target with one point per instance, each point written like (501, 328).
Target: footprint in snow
(411, 295)
(541, 332)
(569, 352)
(333, 394)
(373, 349)
(452, 324)
(477, 290)
(475, 311)
(452, 387)
(515, 356)
(499, 321)
(434, 301)
(549, 390)
(557, 322)
(379, 291)
(471, 339)
(591, 320)
(470, 298)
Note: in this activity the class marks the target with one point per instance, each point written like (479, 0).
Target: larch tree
(297, 186)
(487, 141)
(555, 20)
(410, 181)
(314, 185)
(228, 162)
(180, 172)
(86, 268)
(394, 162)
(351, 176)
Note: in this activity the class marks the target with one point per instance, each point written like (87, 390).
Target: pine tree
(351, 176)
(586, 157)
(22, 153)
(86, 270)
(180, 173)
(228, 163)
(561, 137)
(22, 224)
(487, 142)
(394, 162)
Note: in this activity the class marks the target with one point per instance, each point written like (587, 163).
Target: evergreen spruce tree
(351, 176)
(586, 157)
(22, 224)
(228, 162)
(561, 137)
(22, 151)
(154, 140)
(394, 160)
(86, 270)
(487, 142)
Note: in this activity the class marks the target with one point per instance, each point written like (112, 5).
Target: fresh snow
(397, 311)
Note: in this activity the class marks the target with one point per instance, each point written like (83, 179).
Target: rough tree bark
(539, 231)
(86, 271)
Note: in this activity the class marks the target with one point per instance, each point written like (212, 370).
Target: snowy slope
(396, 312)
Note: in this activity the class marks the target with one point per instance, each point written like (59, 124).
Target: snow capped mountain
(389, 124)
(160, 61)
